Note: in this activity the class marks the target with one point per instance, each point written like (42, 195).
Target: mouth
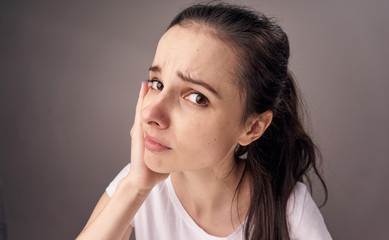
(154, 144)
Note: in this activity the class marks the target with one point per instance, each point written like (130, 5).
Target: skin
(196, 133)
(188, 122)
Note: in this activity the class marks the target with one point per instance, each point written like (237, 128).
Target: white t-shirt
(163, 217)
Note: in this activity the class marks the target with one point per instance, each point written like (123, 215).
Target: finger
(137, 131)
(138, 120)
(142, 93)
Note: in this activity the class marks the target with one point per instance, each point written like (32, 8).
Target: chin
(157, 165)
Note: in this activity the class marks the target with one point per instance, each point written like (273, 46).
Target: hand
(140, 174)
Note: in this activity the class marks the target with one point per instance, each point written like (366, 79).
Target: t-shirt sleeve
(304, 218)
(112, 186)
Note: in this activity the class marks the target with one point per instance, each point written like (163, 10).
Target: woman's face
(191, 115)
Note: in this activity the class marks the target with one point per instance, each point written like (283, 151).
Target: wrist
(131, 184)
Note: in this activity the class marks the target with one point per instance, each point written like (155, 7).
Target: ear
(255, 127)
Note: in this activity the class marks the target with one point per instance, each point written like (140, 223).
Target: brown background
(69, 77)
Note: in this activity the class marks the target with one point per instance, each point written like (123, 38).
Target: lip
(154, 144)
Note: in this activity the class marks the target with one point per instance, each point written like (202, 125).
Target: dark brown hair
(285, 153)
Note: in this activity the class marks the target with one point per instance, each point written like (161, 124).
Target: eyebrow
(157, 69)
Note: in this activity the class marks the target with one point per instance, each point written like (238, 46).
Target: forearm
(113, 220)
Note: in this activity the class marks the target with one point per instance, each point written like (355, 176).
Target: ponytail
(284, 155)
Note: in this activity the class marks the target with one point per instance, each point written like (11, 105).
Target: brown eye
(198, 99)
(155, 84)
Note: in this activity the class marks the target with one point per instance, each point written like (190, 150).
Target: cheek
(214, 137)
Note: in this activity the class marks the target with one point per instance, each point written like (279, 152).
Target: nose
(155, 112)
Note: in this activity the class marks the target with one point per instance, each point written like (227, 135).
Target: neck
(209, 194)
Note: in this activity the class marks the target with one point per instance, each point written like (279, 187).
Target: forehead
(195, 52)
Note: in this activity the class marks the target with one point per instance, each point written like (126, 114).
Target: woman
(218, 148)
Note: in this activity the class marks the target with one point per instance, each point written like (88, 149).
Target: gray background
(70, 73)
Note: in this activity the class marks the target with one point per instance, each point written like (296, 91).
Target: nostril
(153, 123)
(155, 114)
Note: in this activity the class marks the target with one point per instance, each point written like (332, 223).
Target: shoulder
(304, 218)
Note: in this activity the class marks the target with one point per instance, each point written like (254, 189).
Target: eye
(198, 98)
(155, 84)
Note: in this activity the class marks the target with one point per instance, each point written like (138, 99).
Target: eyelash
(154, 81)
